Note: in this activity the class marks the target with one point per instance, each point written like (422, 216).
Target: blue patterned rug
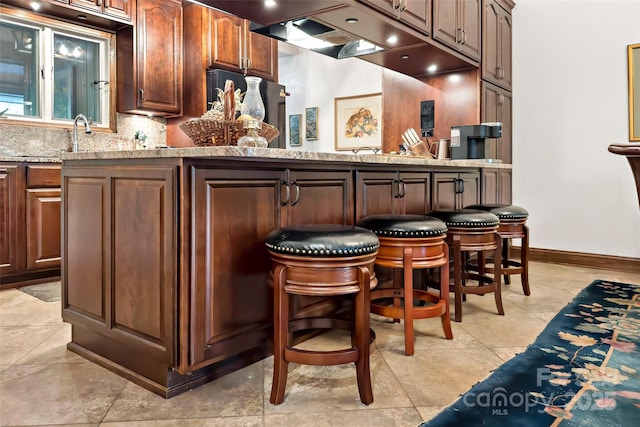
(582, 370)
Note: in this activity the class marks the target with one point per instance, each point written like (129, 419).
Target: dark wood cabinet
(453, 190)
(122, 9)
(235, 48)
(457, 24)
(415, 13)
(496, 42)
(392, 193)
(497, 107)
(11, 181)
(30, 223)
(120, 271)
(149, 60)
(496, 186)
(234, 211)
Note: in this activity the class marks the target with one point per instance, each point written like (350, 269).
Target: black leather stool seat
(503, 211)
(323, 240)
(404, 226)
(466, 218)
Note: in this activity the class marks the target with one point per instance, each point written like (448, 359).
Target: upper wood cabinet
(457, 23)
(496, 43)
(235, 48)
(416, 13)
(149, 60)
(497, 107)
(122, 9)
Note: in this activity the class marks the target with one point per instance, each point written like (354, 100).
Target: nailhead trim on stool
(409, 242)
(324, 260)
(512, 226)
(472, 230)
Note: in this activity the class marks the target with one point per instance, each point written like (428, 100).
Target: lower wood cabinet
(453, 190)
(392, 192)
(29, 223)
(165, 270)
(496, 186)
(233, 212)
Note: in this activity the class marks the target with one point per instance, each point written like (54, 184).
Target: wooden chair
(411, 242)
(471, 230)
(323, 261)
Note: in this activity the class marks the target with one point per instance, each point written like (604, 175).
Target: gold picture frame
(633, 57)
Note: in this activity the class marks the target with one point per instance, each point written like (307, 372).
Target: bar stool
(323, 260)
(409, 242)
(472, 230)
(512, 226)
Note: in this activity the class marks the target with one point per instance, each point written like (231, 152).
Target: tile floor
(42, 383)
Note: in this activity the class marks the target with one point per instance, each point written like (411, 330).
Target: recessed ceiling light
(270, 3)
(351, 21)
(392, 39)
(404, 57)
(432, 68)
(82, 17)
(35, 5)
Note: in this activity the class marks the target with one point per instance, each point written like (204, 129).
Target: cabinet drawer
(43, 176)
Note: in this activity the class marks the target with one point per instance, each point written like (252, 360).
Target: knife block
(420, 149)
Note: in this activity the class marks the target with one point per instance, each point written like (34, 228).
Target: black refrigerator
(273, 97)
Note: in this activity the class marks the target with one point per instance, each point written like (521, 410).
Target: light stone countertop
(31, 159)
(276, 153)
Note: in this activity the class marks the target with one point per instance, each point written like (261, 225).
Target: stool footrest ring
(438, 308)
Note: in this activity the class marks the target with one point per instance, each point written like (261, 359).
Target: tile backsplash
(27, 140)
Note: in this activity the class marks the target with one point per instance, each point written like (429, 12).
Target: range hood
(313, 35)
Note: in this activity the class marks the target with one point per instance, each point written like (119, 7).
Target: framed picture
(311, 124)
(294, 130)
(359, 122)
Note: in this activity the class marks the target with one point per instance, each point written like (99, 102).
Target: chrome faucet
(87, 130)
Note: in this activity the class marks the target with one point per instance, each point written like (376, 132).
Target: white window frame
(47, 28)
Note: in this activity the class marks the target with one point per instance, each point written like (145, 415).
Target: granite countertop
(276, 153)
(31, 159)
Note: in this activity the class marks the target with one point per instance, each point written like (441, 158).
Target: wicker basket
(206, 132)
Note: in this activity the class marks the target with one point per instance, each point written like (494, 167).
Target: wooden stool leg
(280, 335)
(505, 259)
(397, 300)
(363, 369)
(407, 263)
(457, 278)
(444, 294)
(497, 274)
(524, 260)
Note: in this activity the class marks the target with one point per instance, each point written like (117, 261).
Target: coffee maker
(469, 142)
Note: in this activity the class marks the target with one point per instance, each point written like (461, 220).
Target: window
(51, 71)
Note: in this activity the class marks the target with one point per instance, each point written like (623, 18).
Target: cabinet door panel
(444, 191)
(490, 53)
(417, 191)
(505, 50)
(159, 55)
(469, 15)
(118, 8)
(262, 52)
(471, 189)
(320, 198)
(233, 213)
(505, 186)
(375, 191)
(227, 40)
(43, 229)
(445, 22)
(490, 186)
(10, 212)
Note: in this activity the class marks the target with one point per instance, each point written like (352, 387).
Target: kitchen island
(165, 272)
